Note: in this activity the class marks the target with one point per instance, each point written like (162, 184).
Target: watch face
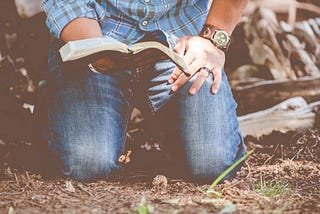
(221, 38)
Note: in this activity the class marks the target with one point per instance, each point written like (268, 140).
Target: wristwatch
(219, 38)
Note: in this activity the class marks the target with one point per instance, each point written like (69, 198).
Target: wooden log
(308, 7)
(264, 94)
(264, 48)
(289, 52)
(289, 7)
(277, 6)
(303, 44)
(303, 56)
(305, 32)
(315, 27)
(290, 115)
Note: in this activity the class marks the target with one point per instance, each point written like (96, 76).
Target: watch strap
(208, 32)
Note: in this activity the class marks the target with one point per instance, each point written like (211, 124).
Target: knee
(207, 172)
(88, 166)
(208, 167)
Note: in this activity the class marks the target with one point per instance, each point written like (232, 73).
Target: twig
(273, 154)
(81, 187)
(230, 186)
(11, 193)
(249, 169)
(17, 180)
(297, 153)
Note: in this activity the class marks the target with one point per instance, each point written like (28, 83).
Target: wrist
(218, 37)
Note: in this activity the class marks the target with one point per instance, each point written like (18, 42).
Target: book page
(82, 48)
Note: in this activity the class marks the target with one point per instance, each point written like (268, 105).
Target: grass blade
(230, 168)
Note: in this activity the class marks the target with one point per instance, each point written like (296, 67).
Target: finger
(188, 59)
(180, 49)
(174, 75)
(217, 74)
(201, 78)
(182, 79)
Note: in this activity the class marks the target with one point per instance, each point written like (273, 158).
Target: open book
(87, 50)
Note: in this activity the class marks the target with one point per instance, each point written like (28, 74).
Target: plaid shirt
(129, 20)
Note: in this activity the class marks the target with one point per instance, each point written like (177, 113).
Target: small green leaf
(229, 207)
(212, 192)
(142, 208)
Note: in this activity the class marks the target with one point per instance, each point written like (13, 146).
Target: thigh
(87, 115)
(201, 131)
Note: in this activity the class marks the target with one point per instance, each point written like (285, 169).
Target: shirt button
(144, 23)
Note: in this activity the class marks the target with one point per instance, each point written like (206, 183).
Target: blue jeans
(88, 113)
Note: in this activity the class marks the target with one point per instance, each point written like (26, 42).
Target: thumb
(180, 47)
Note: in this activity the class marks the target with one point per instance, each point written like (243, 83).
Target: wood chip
(69, 187)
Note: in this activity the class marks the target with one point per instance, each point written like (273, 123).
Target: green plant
(230, 168)
(224, 174)
(229, 207)
(144, 208)
(272, 189)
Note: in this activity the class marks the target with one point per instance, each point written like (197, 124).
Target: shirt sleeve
(60, 13)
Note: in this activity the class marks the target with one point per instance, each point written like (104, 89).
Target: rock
(160, 182)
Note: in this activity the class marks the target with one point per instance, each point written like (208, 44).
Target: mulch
(282, 175)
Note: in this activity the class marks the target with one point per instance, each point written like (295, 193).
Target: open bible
(123, 55)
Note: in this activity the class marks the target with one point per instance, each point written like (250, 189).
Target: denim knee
(86, 119)
(212, 162)
(207, 129)
(86, 164)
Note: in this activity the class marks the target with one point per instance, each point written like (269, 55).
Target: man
(88, 112)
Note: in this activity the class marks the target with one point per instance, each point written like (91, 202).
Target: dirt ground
(281, 176)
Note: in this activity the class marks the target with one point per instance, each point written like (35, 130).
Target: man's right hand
(84, 28)
(102, 65)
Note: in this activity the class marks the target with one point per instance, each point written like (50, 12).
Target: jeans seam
(50, 135)
(124, 138)
(150, 105)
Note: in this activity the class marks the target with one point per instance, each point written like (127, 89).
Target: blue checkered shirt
(129, 20)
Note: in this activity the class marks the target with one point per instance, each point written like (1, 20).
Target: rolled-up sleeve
(60, 13)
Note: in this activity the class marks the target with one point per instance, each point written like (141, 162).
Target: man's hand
(102, 65)
(198, 53)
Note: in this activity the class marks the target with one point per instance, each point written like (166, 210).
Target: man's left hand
(200, 55)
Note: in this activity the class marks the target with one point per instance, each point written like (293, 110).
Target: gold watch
(219, 38)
